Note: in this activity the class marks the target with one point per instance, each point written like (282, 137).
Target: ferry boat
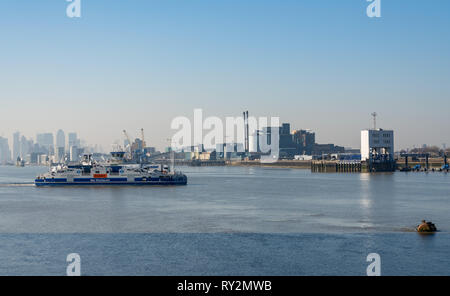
(89, 172)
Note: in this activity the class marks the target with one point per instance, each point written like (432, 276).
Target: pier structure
(377, 154)
(324, 166)
(351, 167)
(377, 150)
(421, 162)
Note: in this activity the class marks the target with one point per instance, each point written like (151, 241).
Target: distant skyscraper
(74, 153)
(60, 144)
(23, 150)
(72, 140)
(61, 154)
(16, 145)
(45, 140)
(26, 147)
(60, 139)
(5, 153)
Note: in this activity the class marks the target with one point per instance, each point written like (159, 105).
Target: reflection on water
(365, 201)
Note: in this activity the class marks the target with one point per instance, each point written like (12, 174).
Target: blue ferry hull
(93, 182)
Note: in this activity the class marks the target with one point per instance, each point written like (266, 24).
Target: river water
(226, 221)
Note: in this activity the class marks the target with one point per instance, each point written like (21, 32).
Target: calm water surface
(228, 220)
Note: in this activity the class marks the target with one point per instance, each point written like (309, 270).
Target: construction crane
(128, 138)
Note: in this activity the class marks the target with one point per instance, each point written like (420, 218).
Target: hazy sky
(322, 65)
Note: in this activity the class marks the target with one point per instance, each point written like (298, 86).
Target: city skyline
(320, 65)
(52, 142)
(48, 144)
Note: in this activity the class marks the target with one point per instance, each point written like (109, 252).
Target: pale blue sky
(318, 64)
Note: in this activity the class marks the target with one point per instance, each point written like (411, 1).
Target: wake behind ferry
(89, 172)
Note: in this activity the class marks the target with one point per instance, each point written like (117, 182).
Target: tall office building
(60, 139)
(5, 153)
(45, 140)
(16, 146)
(60, 145)
(72, 140)
(74, 154)
(26, 147)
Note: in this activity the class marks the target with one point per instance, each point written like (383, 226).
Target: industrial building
(292, 143)
(304, 141)
(377, 144)
(327, 149)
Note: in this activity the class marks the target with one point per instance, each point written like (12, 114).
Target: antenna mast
(143, 138)
(374, 115)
